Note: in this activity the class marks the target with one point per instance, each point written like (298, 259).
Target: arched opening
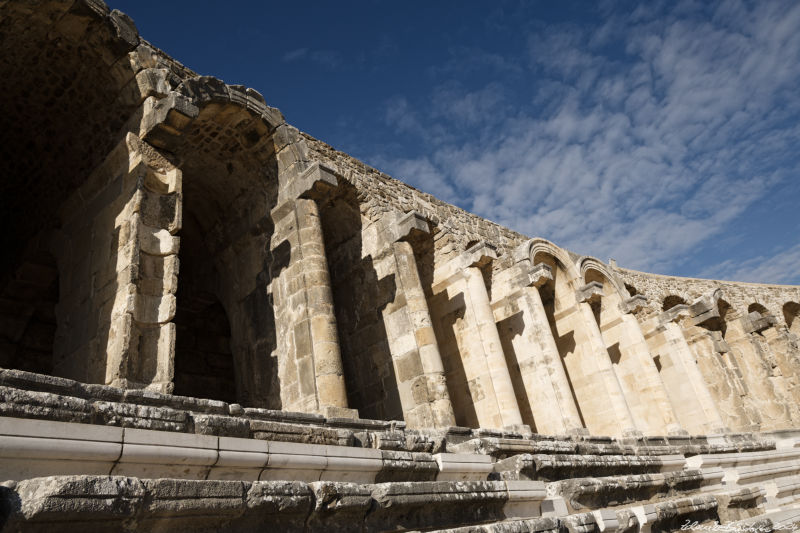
(360, 296)
(203, 354)
(28, 300)
(60, 116)
(671, 301)
(791, 310)
(757, 308)
(225, 325)
(724, 307)
(633, 291)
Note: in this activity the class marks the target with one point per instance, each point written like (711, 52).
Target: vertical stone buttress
(694, 406)
(310, 367)
(522, 323)
(415, 353)
(461, 288)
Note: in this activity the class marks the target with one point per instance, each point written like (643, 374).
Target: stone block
(463, 467)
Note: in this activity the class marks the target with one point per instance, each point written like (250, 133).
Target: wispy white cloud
(329, 59)
(640, 139)
(294, 55)
(781, 267)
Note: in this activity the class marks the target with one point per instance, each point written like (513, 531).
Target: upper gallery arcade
(167, 231)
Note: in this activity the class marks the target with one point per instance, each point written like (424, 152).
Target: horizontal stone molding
(33, 448)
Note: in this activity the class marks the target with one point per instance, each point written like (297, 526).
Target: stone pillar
(118, 246)
(694, 406)
(522, 323)
(479, 350)
(639, 377)
(310, 362)
(600, 397)
(412, 342)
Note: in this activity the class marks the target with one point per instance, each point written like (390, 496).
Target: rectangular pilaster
(786, 348)
(474, 360)
(309, 360)
(752, 358)
(415, 352)
(638, 375)
(722, 378)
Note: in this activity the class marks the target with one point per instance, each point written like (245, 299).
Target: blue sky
(664, 134)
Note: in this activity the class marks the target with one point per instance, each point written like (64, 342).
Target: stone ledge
(34, 448)
(27, 395)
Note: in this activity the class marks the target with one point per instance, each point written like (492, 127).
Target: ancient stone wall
(207, 247)
(212, 321)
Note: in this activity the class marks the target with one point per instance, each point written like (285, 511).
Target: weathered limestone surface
(212, 321)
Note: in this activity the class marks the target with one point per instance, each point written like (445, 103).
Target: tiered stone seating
(97, 458)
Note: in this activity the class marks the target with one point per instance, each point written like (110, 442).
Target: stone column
(597, 389)
(310, 362)
(412, 343)
(694, 406)
(478, 342)
(522, 323)
(639, 377)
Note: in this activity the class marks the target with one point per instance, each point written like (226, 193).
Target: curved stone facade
(171, 237)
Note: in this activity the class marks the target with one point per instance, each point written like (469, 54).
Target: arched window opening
(671, 301)
(757, 308)
(791, 312)
(225, 325)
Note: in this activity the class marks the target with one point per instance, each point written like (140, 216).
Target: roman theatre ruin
(211, 321)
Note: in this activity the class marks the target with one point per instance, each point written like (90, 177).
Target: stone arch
(542, 247)
(632, 291)
(593, 269)
(237, 155)
(791, 312)
(69, 85)
(725, 313)
(63, 80)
